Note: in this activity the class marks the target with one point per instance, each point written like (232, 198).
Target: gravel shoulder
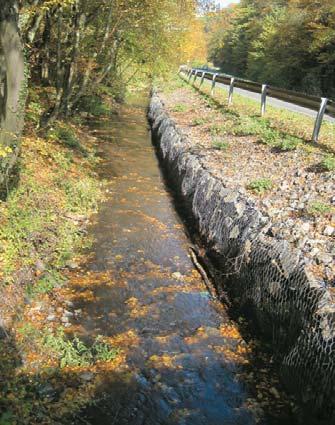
(288, 187)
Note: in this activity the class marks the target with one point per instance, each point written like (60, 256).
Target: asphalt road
(272, 101)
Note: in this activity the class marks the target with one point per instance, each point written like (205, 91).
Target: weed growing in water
(75, 353)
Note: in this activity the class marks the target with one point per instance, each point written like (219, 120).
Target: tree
(289, 43)
(12, 90)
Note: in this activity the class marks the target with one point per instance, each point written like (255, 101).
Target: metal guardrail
(319, 104)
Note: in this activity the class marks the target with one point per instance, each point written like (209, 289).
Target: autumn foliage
(288, 43)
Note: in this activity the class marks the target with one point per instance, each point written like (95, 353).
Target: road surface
(272, 101)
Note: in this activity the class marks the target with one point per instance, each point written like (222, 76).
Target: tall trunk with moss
(12, 91)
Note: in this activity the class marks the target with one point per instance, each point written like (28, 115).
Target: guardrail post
(202, 78)
(195, 76)
(189, 77)
(263, 99)
(213, 84)
(319, 119)
(231, 91)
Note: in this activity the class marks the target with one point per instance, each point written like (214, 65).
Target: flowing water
(185, 362)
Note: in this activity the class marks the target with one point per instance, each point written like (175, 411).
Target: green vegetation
(220, 144)
(319, 208)
(328, 163)
(255, 126)
(285, 43)
(281, 130)
(217, 129)
(33, 224)
(199, 121)
(61, 388)
(260, 186)
(94, 104)
(180, 107)
(66, 135)
(288, 143)
(74, 353)
(47, 283)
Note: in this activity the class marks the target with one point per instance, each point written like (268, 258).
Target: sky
(225, 3)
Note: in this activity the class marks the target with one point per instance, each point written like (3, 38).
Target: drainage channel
(185, 361)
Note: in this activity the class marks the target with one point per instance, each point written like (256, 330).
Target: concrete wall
(261, 275)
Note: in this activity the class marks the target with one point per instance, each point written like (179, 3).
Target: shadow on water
(185, 361)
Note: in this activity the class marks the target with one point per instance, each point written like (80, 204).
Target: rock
(234, 232)
(86, 376)
(142, 381)
(67, 313)
(40, 266)
(325, 259)
(47, 391)
(51, 318)
(329, 231)
(305, 227)
(275, 392)
(315, 251)
(177, 275)
(71, 265)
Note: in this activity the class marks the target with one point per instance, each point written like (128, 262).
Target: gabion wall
(261, 275)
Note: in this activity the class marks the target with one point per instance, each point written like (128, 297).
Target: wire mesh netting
(262, 275)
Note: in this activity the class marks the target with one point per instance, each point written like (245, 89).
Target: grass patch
(318, 208)
(282, 122)
(220, 145)
(250, 126)
(288, 143)
(171, 84)
(217, 129)
(199, 121)
(260, 186)
(34, 219)
(45, 284)
(180, 107)
(328, 163)
(267, 135)
(66, 135)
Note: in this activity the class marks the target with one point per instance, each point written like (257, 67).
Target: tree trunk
(13, 91)
(69, 78)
